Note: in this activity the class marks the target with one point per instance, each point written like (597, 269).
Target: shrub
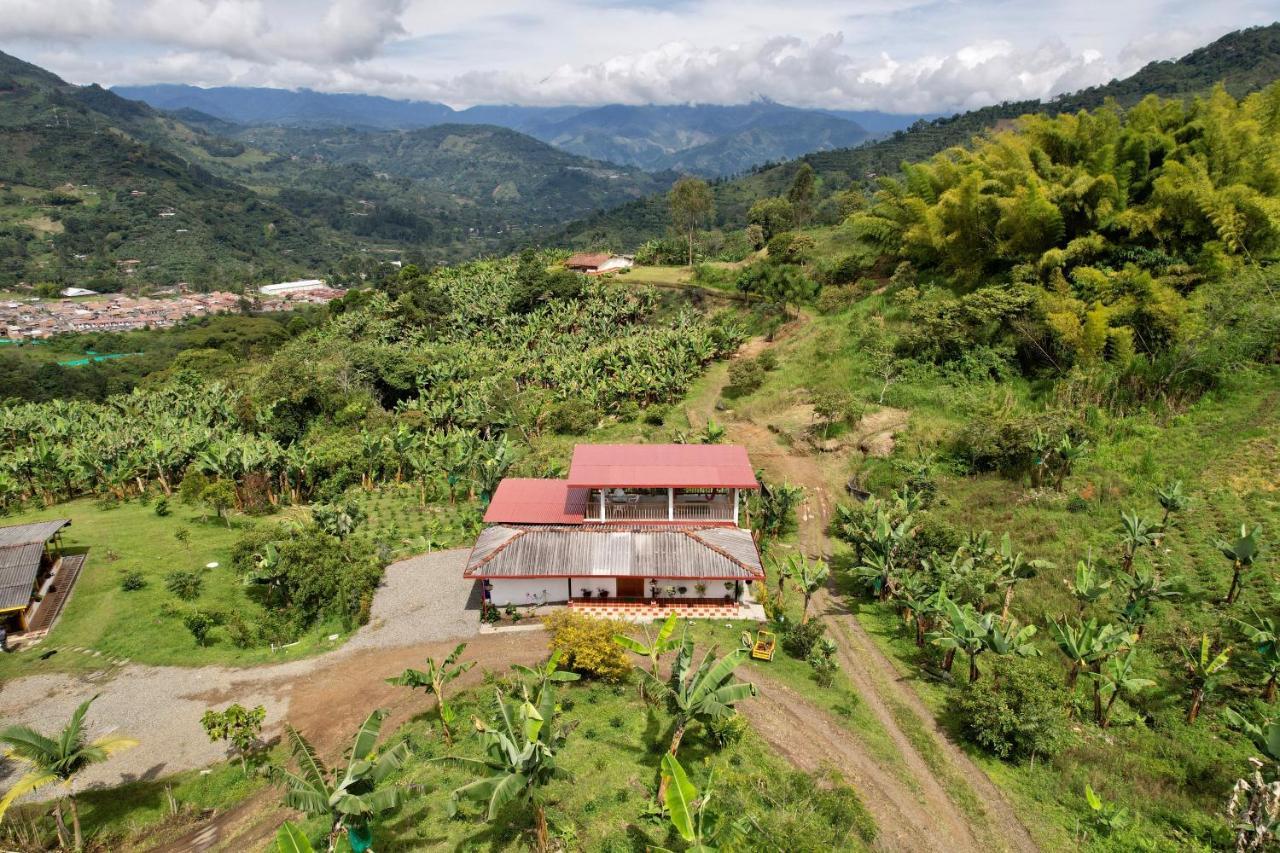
(192, 489)
(572, 417)
(132, 581)
(588, 644)
(1019, 712)
(199, 624)
(162, 507)
(728, 730)
(655, 415)
(240, 632)
(745, 376)
(768, 360)
(799, 639)
(835, 298)
(185, 585)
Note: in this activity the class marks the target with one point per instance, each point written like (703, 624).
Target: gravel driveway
(423, 600)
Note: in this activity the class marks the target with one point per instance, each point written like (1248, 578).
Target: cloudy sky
(893, 55)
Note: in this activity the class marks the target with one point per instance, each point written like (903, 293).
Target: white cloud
(899, 55)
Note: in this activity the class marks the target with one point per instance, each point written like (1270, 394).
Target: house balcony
(657, 505)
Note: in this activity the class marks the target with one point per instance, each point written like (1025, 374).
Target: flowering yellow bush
(588, 646)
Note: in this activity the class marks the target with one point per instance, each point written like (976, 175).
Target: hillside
(1242, 61)
(706, 139)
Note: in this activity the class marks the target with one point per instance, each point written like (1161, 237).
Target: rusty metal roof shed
(713, 553)
(689, 466)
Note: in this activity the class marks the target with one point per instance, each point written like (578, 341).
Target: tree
(520, 760)
(1204, 669)
(433, 680)
(1242, 552)
(546, 673)
(220, 496)
(691, 204)
(1013, 568)
(704, 694)
(57, 761)
(1088, 586)
(1136, 532)
(809, 575)
(1116, 677)
(338, 520)
(1265, 638)
(801, 195)
(238, 726)
(652, 649)
(776, 506)
(269, 571)
(687, 810)
(352, 800)
(778, 284)
(1144, 588)
(773, 216)
(1172, 500)
(1087, 644)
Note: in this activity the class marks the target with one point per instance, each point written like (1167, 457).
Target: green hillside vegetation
(1242, 61)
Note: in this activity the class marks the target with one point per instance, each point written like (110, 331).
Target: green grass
(612, 754)
(141, 625)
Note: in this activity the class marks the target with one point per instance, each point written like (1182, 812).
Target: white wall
(715, 588)
(595, 585)
(522, 591)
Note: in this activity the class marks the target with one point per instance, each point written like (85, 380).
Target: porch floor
(644, 610)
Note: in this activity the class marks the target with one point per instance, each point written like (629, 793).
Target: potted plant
(602, 593)
(700, 589)
(653, 588)
(683, 590)
(670, 591)
(586, 593)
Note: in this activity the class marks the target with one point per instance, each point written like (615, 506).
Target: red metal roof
(528, 501)
(688, 466)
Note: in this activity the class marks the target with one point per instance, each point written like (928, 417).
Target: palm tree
(810, 576)
(57, 760)
(520, 760)
(1113, 678)
(1242, 552)
(703, 694)
(350, 801)
(433, 679)
(1136, 532)
(1205, 668)
(1265, 637)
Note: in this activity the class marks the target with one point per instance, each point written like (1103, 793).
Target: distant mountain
(702, 138)
(1242, 61)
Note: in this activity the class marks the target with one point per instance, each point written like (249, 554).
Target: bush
(655, 415)
(572, 417)
(199, 624)
(588, 645)
(185, 585)
(1016, 713)
(132, 581)
(162, 507)
(745, 376)
(799, 639)
(768, 360)
(835, 298)
(728, 730)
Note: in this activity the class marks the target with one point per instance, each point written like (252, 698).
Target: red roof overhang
(531, 501)
(689, 466)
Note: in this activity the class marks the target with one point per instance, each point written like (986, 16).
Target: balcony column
(735, 507)
(671, 504)
(602, 504)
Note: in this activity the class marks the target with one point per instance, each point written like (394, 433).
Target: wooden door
(630, 587)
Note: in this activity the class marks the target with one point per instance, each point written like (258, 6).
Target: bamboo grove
(374, 395)
(1104, 237)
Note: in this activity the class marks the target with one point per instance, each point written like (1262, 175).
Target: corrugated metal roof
(689, 466)
(30, 534)
(19, 565)
(726, 553)
(529, 501)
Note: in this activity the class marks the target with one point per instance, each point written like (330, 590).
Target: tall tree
(809, 575)
(691, 204)
(57, 760)
(801, 195)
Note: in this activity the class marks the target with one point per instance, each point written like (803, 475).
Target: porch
(644, 610)
(705, 505)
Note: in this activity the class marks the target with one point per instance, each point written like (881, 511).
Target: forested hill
(89, 179)
(1243, 61)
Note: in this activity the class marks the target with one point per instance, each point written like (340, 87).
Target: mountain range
(1241, 61)
(705, 139)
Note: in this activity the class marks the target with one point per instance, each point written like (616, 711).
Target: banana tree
(1265, 638)
(1087, 644)
(352, 800)
(520, 760)
(687, 811)
(1114, 677)
(1088, 587)
(809, 575)
(1264, 732)
(700, 695)
(1144, 588)
(546, 673)
(269, 571)
(1172, 500)
(652, 649)
(57, 760)
(1204, 669)
(1012, 568)
(433, 680)
(1242, 551)
(962, 631)
(1136, 532)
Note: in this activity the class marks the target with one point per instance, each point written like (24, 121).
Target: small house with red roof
(632, 523)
